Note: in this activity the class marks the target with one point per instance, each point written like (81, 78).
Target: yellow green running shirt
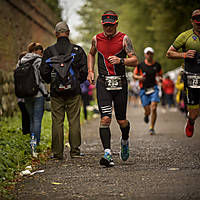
(188, 40)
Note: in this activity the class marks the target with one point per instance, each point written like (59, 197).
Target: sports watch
(121, 61)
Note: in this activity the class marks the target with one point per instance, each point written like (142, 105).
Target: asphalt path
(164, 166)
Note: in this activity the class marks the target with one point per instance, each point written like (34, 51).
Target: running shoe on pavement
(146, 119)
(189, 128)
(151, 131)
(107, 160)
(124, 154)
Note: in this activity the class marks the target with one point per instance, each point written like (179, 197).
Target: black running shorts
(118, 97)
(193, 97)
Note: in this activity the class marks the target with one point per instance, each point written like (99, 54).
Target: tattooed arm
(91, 61)
(131, 60)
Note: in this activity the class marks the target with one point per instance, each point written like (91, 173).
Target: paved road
(165, 166)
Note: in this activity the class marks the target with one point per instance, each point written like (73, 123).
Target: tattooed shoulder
(128, 45)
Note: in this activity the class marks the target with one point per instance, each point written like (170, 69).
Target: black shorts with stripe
(107, 98)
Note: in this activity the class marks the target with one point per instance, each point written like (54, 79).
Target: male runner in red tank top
(114, 52)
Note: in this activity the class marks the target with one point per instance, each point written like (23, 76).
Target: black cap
(109, 19)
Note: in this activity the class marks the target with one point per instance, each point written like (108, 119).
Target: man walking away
(65, 90)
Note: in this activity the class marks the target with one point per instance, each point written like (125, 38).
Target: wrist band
(184, 55)
(90, 71)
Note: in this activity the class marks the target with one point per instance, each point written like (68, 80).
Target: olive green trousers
(71, 106)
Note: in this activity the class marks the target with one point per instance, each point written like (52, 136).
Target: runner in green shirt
(189, 42)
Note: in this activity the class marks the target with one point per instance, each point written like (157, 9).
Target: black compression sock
(125, 132)
(105, 136)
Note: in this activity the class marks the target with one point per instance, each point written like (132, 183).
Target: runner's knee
(105, 121)
(193, 114)
(154, 107)
(123, 123)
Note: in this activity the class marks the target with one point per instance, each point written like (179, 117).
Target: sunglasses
(149, 53)
(196, 19)
(108, 25)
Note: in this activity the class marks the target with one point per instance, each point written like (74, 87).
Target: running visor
(109, 19)
(196, 19)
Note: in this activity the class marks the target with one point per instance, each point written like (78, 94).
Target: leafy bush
(15, 153)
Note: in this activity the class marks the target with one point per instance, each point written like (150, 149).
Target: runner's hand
(114, 60)
(90, 77)
(141, 78)
(190, 54)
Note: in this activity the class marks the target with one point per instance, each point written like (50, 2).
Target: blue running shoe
(151, 131)
(107, 160)
(124, 154)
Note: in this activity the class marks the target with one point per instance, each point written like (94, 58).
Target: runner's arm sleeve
(179, 41)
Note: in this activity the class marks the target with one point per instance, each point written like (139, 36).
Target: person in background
(189, 42)
(22, 107)
(134, 90)
(35, 105)
(112, 47)
(91, 89)
(180, 94)
(146, 72)
(85, 97)
(168, 88)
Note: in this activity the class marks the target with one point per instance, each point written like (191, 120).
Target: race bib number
(113, 83)
(193, 81)
(149, 90)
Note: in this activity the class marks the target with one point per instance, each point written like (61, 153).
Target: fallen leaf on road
(173, 169)
(56, 183)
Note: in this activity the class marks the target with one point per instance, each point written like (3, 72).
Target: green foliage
(148, 23)
(54, 5)
(15, 153)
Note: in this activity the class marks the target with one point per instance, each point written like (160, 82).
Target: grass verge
(15, 153)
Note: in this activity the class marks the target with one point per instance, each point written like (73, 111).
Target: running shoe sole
(106, 162)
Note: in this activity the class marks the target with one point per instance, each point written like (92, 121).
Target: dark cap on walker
(109, 19)
(61, 27)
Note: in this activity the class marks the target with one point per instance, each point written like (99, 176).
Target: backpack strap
(55, 52)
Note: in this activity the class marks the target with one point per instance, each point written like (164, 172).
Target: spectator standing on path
(134, 90)
(91, 89)
(85, 96)
(35, 105)
(146, 73)
(21, 104)
(180, 94)
(168, 88)
(61, 100)
(189, 42)
(112, 47)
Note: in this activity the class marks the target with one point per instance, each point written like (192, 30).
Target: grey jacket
(36, 65)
